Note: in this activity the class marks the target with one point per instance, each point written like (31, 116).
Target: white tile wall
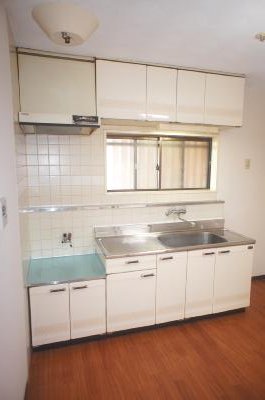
(22, 182)
(66, 170)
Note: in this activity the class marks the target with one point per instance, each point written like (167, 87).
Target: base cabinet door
(232, 282)
(200, 278)
(171, 286)
(50, 320)
(87, 308)
(131, 300)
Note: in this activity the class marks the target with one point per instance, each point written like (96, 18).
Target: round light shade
(65, 24)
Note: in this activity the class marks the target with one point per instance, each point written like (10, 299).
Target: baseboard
(256, 277)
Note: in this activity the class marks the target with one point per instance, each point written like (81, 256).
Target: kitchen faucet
(179, 212)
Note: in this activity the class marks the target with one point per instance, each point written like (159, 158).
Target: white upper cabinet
(161, 94)
(121, 90)
(56, 85)
(190, 96)
(224, 100)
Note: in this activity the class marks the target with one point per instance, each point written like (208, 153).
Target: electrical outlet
(3, 213)
(247, 163)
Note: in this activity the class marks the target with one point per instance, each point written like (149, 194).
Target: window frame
(160, 138)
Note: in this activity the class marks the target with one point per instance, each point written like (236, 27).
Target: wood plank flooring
(218, 358)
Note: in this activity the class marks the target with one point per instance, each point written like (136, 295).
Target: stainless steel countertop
(145, 243)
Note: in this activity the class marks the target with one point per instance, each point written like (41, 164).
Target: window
(158, 163)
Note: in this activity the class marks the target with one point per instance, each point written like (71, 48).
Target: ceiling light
(65, 24)
(260, 36)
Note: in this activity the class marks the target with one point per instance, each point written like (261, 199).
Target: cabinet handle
(209, 254)
(166, 258)
(224, 251)
(132, 262)
(57, 290)
(79, 287)
(147, 275)
(250, 247)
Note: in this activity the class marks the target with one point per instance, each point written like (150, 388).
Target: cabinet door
(121, 90)
(190, 96)
(56, 86)
(224, 100)
(161, 94)
(87, 308)
(49, 306)
(171, 286)
(199, 289)
(232, 282)
(131, 300)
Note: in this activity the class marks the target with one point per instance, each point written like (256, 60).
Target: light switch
(247, 163)
(3, 213)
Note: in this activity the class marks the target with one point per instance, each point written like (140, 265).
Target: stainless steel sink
(183, 239)
(127, 245)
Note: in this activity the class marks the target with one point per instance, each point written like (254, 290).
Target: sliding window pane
(196, 161)
(171, 164)
(147, 160)
(120, 164)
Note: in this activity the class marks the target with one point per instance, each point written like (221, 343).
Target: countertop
(47, 271)
(144, 244)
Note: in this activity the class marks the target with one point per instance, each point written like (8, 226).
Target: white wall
(13, 344)
(244, 190)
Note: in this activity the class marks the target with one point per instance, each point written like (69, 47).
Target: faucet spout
(179, 212)
(192, 223)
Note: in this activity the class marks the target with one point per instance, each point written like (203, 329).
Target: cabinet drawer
(170, 258)
(128, 264)
(235, 249)
(49, 289)
(211, 252)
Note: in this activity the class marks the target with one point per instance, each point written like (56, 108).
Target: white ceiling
(210, 34)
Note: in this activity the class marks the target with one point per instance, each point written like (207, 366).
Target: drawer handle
(224, 251)
(132, 262)
(57, 290)
(79, 287)
(250, 247)
(147, 275)
(209, 254)
(166, 258)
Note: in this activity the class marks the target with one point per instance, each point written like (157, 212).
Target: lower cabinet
(87, 308)
(218, 280)
(67, 311)
(49, 307)
(233, 270)
(131, 300)
(168, 287)
(171, 286)
(200, 283)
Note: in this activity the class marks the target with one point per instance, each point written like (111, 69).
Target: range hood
(62, 124)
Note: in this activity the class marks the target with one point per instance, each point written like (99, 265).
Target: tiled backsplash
(70, 169)
(65, 169)
(46, 228)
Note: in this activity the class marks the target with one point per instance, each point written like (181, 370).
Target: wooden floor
(217, 358)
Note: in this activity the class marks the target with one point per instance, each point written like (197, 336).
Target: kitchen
(135, 208)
